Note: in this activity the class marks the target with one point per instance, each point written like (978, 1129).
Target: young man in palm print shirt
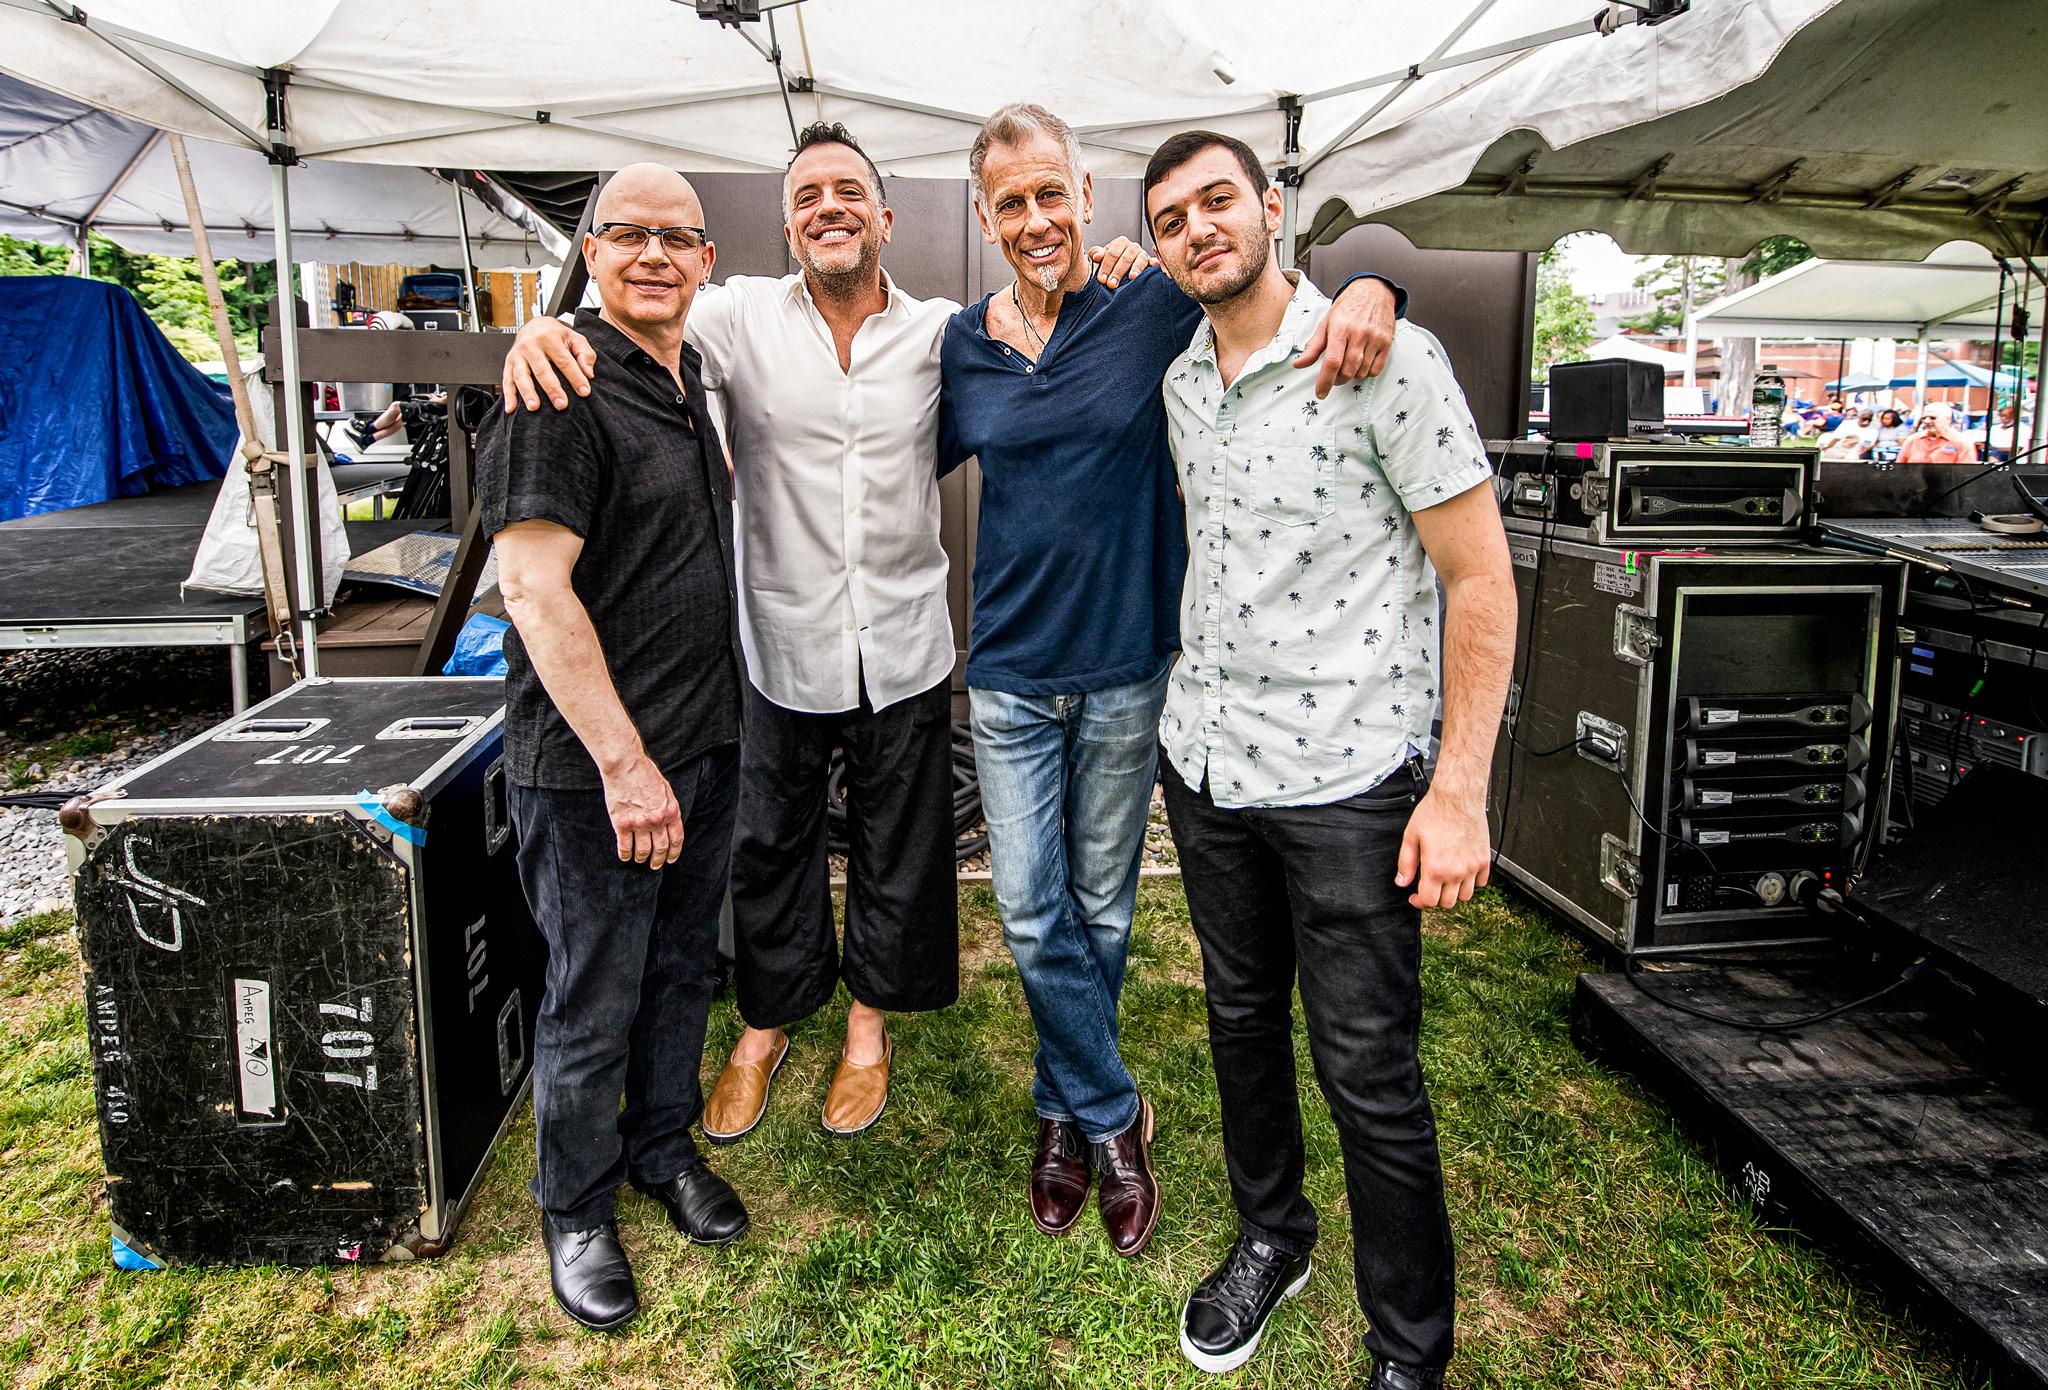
(1293, 736)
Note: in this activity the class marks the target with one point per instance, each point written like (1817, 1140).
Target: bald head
(647, 283)
(652, 189)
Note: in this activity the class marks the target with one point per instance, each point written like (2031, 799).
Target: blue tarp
(95, 403)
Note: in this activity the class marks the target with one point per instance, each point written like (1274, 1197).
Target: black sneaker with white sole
(1224, 1317)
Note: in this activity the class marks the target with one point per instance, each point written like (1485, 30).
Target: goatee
(1251, 265)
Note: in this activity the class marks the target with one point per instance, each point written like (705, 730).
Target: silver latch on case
(1635, 635)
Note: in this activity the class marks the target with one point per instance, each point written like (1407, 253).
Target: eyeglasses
(630, 237)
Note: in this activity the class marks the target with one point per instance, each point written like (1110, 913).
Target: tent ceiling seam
(127, 171)
(1414, 76)
(71, 14)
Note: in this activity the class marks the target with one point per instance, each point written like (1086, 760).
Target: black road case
(311, 977)
(1689, 732)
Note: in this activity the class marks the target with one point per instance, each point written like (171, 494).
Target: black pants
(632, 955)
(902, 910)
(1314, 885)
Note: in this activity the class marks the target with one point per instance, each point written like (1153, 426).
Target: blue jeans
(1066, 783)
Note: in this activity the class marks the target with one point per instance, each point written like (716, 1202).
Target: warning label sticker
(1613, 579)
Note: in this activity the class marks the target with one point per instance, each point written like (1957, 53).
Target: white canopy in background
(1884, 129)
(1951, 294)
(534, 84)
(64, 165)
(1623, 346)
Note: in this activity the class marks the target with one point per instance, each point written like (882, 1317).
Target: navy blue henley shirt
(1081, 550)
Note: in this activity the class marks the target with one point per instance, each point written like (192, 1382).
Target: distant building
(1611, 307)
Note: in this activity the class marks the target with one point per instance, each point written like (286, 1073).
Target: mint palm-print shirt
(1309, 666)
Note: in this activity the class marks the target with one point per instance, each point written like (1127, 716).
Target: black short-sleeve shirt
(634, 468)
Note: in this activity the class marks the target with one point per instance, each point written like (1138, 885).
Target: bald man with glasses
(613, 525)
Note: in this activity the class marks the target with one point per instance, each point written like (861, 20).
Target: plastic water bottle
(1766, 407)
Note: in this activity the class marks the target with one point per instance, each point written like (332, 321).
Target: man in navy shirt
(1054, 383)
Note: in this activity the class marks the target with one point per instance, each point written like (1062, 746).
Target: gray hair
(1013, 125)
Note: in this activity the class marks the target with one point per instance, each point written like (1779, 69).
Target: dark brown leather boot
(1125, 1189)
(1059, 1176)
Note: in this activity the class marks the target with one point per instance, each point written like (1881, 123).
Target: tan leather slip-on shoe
(740, 1098)
(859, 1093)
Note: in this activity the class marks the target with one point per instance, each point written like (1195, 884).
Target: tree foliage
(1773, 255)
(1564, 321)
(31, 258)
(167, 287)
(1671, 281)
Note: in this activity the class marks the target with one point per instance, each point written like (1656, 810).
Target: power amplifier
(1651, 494)
(1690, 733)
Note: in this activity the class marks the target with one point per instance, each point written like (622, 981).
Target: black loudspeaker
(311, 978)
(1611, 398)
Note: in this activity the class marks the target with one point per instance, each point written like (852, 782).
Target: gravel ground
(74, 720)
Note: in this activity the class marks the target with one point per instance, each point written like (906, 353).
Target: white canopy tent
(1629, 349)
(1354, 103)
(1954, 293)
(1951, 294)
(66, 167)
(1879, 129)
(511, 84)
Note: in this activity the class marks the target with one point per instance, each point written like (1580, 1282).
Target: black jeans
(632, 957)
(1314, 885)
(902, 905)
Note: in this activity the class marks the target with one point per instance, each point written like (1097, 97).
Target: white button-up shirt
(836, 491)
(1308, 667)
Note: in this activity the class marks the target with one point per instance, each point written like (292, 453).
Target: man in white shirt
(1294, 731)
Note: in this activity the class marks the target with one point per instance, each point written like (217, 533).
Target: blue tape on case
(411, 834)
(127, 1256)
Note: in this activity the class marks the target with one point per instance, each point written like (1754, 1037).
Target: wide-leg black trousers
(902, 948)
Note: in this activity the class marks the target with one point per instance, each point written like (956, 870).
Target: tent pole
(1692, 350)
(1290, 201)
(1289, 177)
(468, 265)
(2040, 382)
(309, 585)
(1920, 380)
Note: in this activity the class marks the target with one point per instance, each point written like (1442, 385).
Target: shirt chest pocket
(1288, 473)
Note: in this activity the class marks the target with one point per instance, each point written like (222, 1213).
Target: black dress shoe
(1126, 1191)
(701, 1205)
(591, 1278)
(1225, 1316)
(1392, 1375)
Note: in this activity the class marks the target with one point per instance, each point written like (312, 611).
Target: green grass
(1596, 1244)
(55, 754)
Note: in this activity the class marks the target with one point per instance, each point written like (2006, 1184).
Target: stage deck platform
(108, 575)
(1895, 1129)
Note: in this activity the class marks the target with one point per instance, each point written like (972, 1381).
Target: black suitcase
(311, 977)
(1690, 733)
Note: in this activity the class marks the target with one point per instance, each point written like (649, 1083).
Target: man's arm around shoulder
(536, 561)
